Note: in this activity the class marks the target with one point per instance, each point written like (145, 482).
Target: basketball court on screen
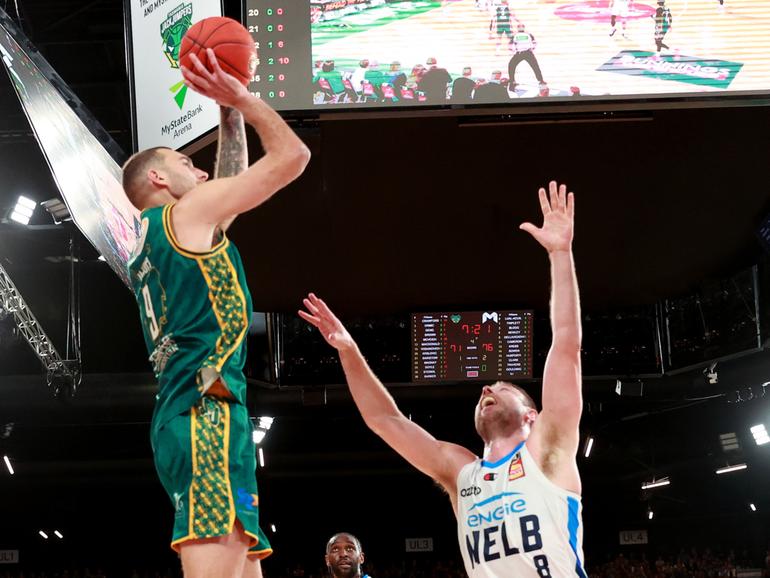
(713, 47)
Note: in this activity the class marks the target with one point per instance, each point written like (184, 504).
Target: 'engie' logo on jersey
(496, 513)
(496, 531)
(499, 534)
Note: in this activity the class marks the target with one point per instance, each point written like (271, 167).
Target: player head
(467, 71)
(159, 175)
(344, 556)
(521, 28)
(503, 409)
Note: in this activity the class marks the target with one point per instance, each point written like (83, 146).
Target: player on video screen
(501, 23)
(663, 23)
(619, 11)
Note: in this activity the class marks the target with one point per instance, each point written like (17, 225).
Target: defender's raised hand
(331, 328)
(558, 219)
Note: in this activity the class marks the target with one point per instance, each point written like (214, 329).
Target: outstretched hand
(216, 84)
(331, 328)
(558, 219)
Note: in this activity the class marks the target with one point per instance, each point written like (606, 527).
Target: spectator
(462, 87)
(357, 78)
(416, 75)
(375, 77)
(492, 91)
(396, 76)
(434, 83)
(332, 76)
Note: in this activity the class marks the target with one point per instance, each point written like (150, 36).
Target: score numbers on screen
(471, 345)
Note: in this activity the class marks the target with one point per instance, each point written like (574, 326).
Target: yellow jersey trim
(191, 499)
(230, 503)
(168, 228)
(260, 554)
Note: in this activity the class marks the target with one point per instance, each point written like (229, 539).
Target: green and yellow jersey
(195, 310)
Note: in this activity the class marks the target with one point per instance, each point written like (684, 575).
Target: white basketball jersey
(512, 521)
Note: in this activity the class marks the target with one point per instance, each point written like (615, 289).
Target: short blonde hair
(135, 170)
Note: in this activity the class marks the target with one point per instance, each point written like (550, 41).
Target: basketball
(231, 42)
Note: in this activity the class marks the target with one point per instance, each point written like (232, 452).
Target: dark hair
(337, 535)
(135, 170)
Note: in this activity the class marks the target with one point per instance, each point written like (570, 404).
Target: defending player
(518, 508)
(195, 309)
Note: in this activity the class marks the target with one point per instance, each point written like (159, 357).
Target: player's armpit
(440, 460)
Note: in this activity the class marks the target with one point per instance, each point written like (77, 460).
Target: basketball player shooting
(195, 309)
(518, 507)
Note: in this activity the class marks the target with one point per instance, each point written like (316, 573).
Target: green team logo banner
(165, 112)
(677, 68)
(172, 29)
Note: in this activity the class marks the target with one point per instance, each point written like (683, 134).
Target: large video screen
(349, 54)
(471, 345)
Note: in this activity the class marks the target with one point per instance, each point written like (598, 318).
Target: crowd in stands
(688, 563)
(692, 563)
(429, 83)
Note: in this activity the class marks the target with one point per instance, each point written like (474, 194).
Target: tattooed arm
(232, 156)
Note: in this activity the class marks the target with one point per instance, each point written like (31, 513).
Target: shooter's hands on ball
(558, 219)
(331, 328)
(216, 84)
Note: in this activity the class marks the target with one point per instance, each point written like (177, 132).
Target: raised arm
(441, 461)
(284, 160)
(232, 154)
(556, 428)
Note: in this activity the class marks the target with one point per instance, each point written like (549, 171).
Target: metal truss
(58, 370)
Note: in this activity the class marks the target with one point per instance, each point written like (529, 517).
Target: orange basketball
(231, 42)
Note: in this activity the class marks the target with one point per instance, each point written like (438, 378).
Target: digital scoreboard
(471, 345)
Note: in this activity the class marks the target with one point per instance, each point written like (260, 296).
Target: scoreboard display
(471, 345)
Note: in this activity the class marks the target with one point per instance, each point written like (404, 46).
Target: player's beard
(498, 422)
(353, 572)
